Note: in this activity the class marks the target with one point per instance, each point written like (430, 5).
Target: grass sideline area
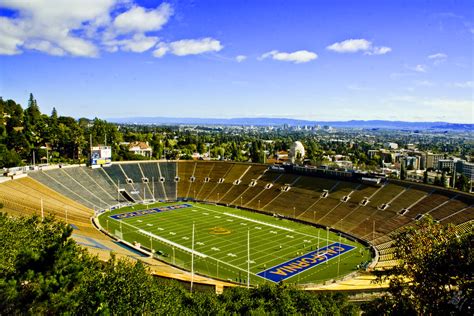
(220, 242)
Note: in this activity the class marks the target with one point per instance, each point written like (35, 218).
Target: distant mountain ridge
(262, 121)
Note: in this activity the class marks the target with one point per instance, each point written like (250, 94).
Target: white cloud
(297, 57)
(138, 19)
(240, 58)
(466, 84)
(350, 46)
(379, 50)
(418, 68)
(45, 47)
(438, 58)
(194, 46)
(11, 36)
(358, 45)
(84, 27)
(161, 50)
(137, 44)
(188, 47)
(51, 26)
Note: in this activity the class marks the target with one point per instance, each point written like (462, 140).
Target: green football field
(221, 238)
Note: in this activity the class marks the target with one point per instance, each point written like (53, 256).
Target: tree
(403, 171)
(434, 275)
(463, 183)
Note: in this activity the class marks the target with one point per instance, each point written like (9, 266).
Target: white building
(297, 152)
(140, 148)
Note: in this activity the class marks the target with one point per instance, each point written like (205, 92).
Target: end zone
(310, 260)
(149, 211)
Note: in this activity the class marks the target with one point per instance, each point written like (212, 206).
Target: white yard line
(167, 241)
(258, 222)
(190, 250)
(263, 223)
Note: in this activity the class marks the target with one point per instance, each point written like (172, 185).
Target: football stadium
(236, 157)
(219, 224)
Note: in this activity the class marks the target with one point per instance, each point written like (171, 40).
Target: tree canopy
(434, 275)
(43, 271)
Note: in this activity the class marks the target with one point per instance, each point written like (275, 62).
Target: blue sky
(321, 60)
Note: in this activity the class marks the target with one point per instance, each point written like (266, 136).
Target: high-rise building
(432, 160)
(446, 164)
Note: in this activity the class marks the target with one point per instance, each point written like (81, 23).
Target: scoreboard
(101, 156)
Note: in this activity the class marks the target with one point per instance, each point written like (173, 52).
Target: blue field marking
(89, 242)
(311, 259)
(149, 211)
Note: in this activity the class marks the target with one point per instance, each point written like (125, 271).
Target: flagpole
(248, 258)
(192, 259)
(153, 187)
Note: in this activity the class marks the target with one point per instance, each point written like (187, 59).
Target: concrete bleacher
(65, 185)
(24, 197)
(216, 172)
(168, 171)
(81, 189)
(185, 172)
(153, 174)
(116, 175)
(103, 193)
(235, 173)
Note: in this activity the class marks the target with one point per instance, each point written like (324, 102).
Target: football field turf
(279, 249)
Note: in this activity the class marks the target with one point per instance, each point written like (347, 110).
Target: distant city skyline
(310, 60)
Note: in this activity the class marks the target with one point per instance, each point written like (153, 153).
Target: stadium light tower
(248, 258)
(192, 259)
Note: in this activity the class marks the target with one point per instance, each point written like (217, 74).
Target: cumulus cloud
(195, 46)
(350, 46)
(161, 50)
(138, 19)
(85, 27)
(188, 47)
(240, 58)
(358, 45)
(51, 26)
(297, 57)
(138, 43)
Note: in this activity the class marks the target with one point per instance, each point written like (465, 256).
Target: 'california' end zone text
(297, 265)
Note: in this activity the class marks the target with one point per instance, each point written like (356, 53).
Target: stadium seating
(153, 174)
(168, 171)
(368, 212)
(24, 197)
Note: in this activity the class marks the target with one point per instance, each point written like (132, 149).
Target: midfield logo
(219, 231)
